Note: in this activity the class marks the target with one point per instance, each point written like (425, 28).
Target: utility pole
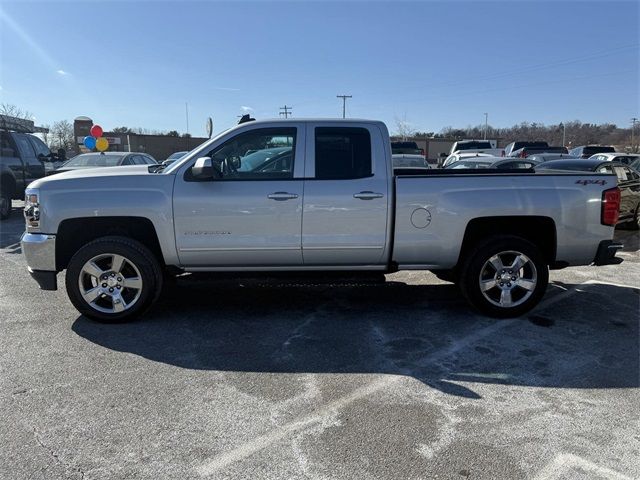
(344, 102)
(286, 111)
(634, 120)
(186, 109)
(486, 124)
(564, 133)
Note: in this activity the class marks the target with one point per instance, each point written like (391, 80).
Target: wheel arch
(539, 230)
(74, 233)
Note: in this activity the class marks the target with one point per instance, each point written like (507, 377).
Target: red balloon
(96, 131)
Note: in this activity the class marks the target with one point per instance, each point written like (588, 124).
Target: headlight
(32, 208)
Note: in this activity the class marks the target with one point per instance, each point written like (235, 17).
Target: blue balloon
(90, 142)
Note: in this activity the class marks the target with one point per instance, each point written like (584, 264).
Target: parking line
(263, 441)
(563, 463)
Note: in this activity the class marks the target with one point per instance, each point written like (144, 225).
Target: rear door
(346, 196)
(33, 167)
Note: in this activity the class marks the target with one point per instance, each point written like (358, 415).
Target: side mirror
(203, 168)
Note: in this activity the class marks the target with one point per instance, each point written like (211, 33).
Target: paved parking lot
(255, 379)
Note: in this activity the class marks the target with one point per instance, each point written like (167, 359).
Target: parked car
(628, 183)
(498, 163)
(333, 205)
(409, 148)
(457, 157)
(173, 157)
(23, 159)
(104, 159)
(524, 152)
(626, 158)
(511, 147)
(585, 151)
(405, 162)
(545, 157)
(477, 146)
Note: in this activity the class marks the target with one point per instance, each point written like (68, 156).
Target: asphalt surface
(255, 379)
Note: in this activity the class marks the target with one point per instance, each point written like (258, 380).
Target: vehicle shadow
(586, 338)
(11, 230)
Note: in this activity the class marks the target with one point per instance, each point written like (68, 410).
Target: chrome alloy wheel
(508, 279)
(110, 283)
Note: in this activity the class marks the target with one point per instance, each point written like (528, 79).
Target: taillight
(523, 154)
(610, 206)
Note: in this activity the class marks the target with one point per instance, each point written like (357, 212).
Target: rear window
(592, 150)
(342, 153)
(94, 160)
(473, 145)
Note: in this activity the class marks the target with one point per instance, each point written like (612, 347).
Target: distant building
(158, 146)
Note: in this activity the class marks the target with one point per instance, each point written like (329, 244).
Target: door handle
(367, 195)
(281, 196)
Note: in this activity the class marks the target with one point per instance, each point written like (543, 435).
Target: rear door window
(342, 153)
(24, 145)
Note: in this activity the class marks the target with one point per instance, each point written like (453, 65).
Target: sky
(429, 64)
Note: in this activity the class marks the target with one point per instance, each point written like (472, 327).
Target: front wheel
(113, 279)
(504, 276)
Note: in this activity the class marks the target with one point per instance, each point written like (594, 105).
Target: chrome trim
(39, 250)
(234, 249)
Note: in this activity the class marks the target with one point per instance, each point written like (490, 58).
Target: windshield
(94, 160)
(254, 159)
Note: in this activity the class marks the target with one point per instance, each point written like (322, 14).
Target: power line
(344, 102)
(286, 111)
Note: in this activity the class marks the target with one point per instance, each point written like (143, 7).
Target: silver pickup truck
(311, 195)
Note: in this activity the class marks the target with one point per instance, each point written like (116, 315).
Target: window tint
(261, 154)
(6, 145)
(129, 160)
(342, 153)
(24, 145)
(39, 146)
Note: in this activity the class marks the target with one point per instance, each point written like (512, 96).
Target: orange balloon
(102, 144)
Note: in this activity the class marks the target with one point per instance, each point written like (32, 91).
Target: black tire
(5, 205)
(476, 268)
(136, 256)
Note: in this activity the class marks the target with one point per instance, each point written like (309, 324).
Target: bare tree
(14, 111)
(404, 129)
(61, 136)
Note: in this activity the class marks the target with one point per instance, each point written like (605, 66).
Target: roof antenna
(246, 118)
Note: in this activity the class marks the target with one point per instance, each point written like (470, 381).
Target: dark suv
(22, 160)
(585, 151)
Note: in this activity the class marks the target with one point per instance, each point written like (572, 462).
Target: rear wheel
(504, 276)
(113, 279)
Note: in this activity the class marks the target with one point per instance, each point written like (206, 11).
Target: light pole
(486, 124)
(633, 127)
(564, 133)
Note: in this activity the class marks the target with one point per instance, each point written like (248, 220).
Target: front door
(251, 214)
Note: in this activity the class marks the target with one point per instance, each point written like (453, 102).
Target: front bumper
(606, 254)
(40, 251)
